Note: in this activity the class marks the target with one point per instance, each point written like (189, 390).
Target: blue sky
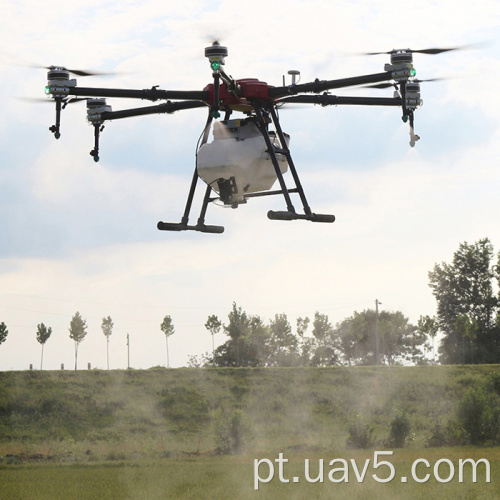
(80, 236)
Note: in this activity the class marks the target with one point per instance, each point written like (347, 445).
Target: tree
(307, 344)
(107, 329)
(467, 306)
(3, 332)
(77, 332)
(326, 352)
(248, 343)
(400, 341)
(42, 335)
(238, 330)
(283, 343)
(167, 327)
(428, 326)
(213, 325)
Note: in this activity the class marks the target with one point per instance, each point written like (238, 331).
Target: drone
(248, 153)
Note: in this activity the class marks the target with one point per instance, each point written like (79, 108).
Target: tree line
(467, 323)
(78, 332)
(314, 342)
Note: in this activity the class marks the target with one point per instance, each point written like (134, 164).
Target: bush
(439, 437)
(495, 382)
(231, 430)
(360, 434)
(400, 430)
(478, 414)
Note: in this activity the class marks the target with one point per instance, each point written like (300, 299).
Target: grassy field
(233, 477)
(196, 433)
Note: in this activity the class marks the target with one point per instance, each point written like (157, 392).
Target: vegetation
(3, 332)
(107, 329)
(194, 433)
(77, 332)
(468, 310)
(467, 323)
(216, 478)
(42, 335)
(213, 325)
(233, 410)
(352, 342)
(167, 327)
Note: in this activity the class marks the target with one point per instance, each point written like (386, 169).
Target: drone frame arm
(152, 94)
(168, 107)
(321, 85)
(333, 100)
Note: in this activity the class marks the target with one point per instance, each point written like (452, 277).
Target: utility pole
(128, 351)
(377, 341)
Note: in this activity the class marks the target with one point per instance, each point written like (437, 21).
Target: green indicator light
(413, 72)
(215, 65)
(47, 89)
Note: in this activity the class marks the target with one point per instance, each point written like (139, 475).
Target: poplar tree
(77, 332)
(42, 335)
(167, 327)
(107, 329)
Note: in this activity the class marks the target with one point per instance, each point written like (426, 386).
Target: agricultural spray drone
(247, 154)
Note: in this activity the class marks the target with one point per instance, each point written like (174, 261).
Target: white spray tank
(236, 162)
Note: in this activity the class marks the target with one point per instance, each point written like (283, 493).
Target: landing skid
(295, 216)
(202, 228)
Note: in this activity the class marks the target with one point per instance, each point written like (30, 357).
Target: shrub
(439, 437)
(478, 414)
(400, 430)
(360, 434)
(495, 382)
(231, 430)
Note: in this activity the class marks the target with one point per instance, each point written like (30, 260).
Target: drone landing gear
(290, 214)
(279, 215)
(200, 226)
(227, 187)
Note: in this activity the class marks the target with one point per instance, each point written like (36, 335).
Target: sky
(76, 235)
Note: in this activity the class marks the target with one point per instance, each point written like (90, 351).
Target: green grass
(96, 415)
(233, 477)
(157, 433)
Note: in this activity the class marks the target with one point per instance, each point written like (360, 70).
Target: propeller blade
(428, 80)
(431, 51)
(389, 85)
(379, 86)
(77, 72)
(374, 53)
(436, 51)
(49, 100)
(36, 99)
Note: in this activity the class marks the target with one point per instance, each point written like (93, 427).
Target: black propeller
(388, 85)
(46, 100)
(77, 72)
(433, 51)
